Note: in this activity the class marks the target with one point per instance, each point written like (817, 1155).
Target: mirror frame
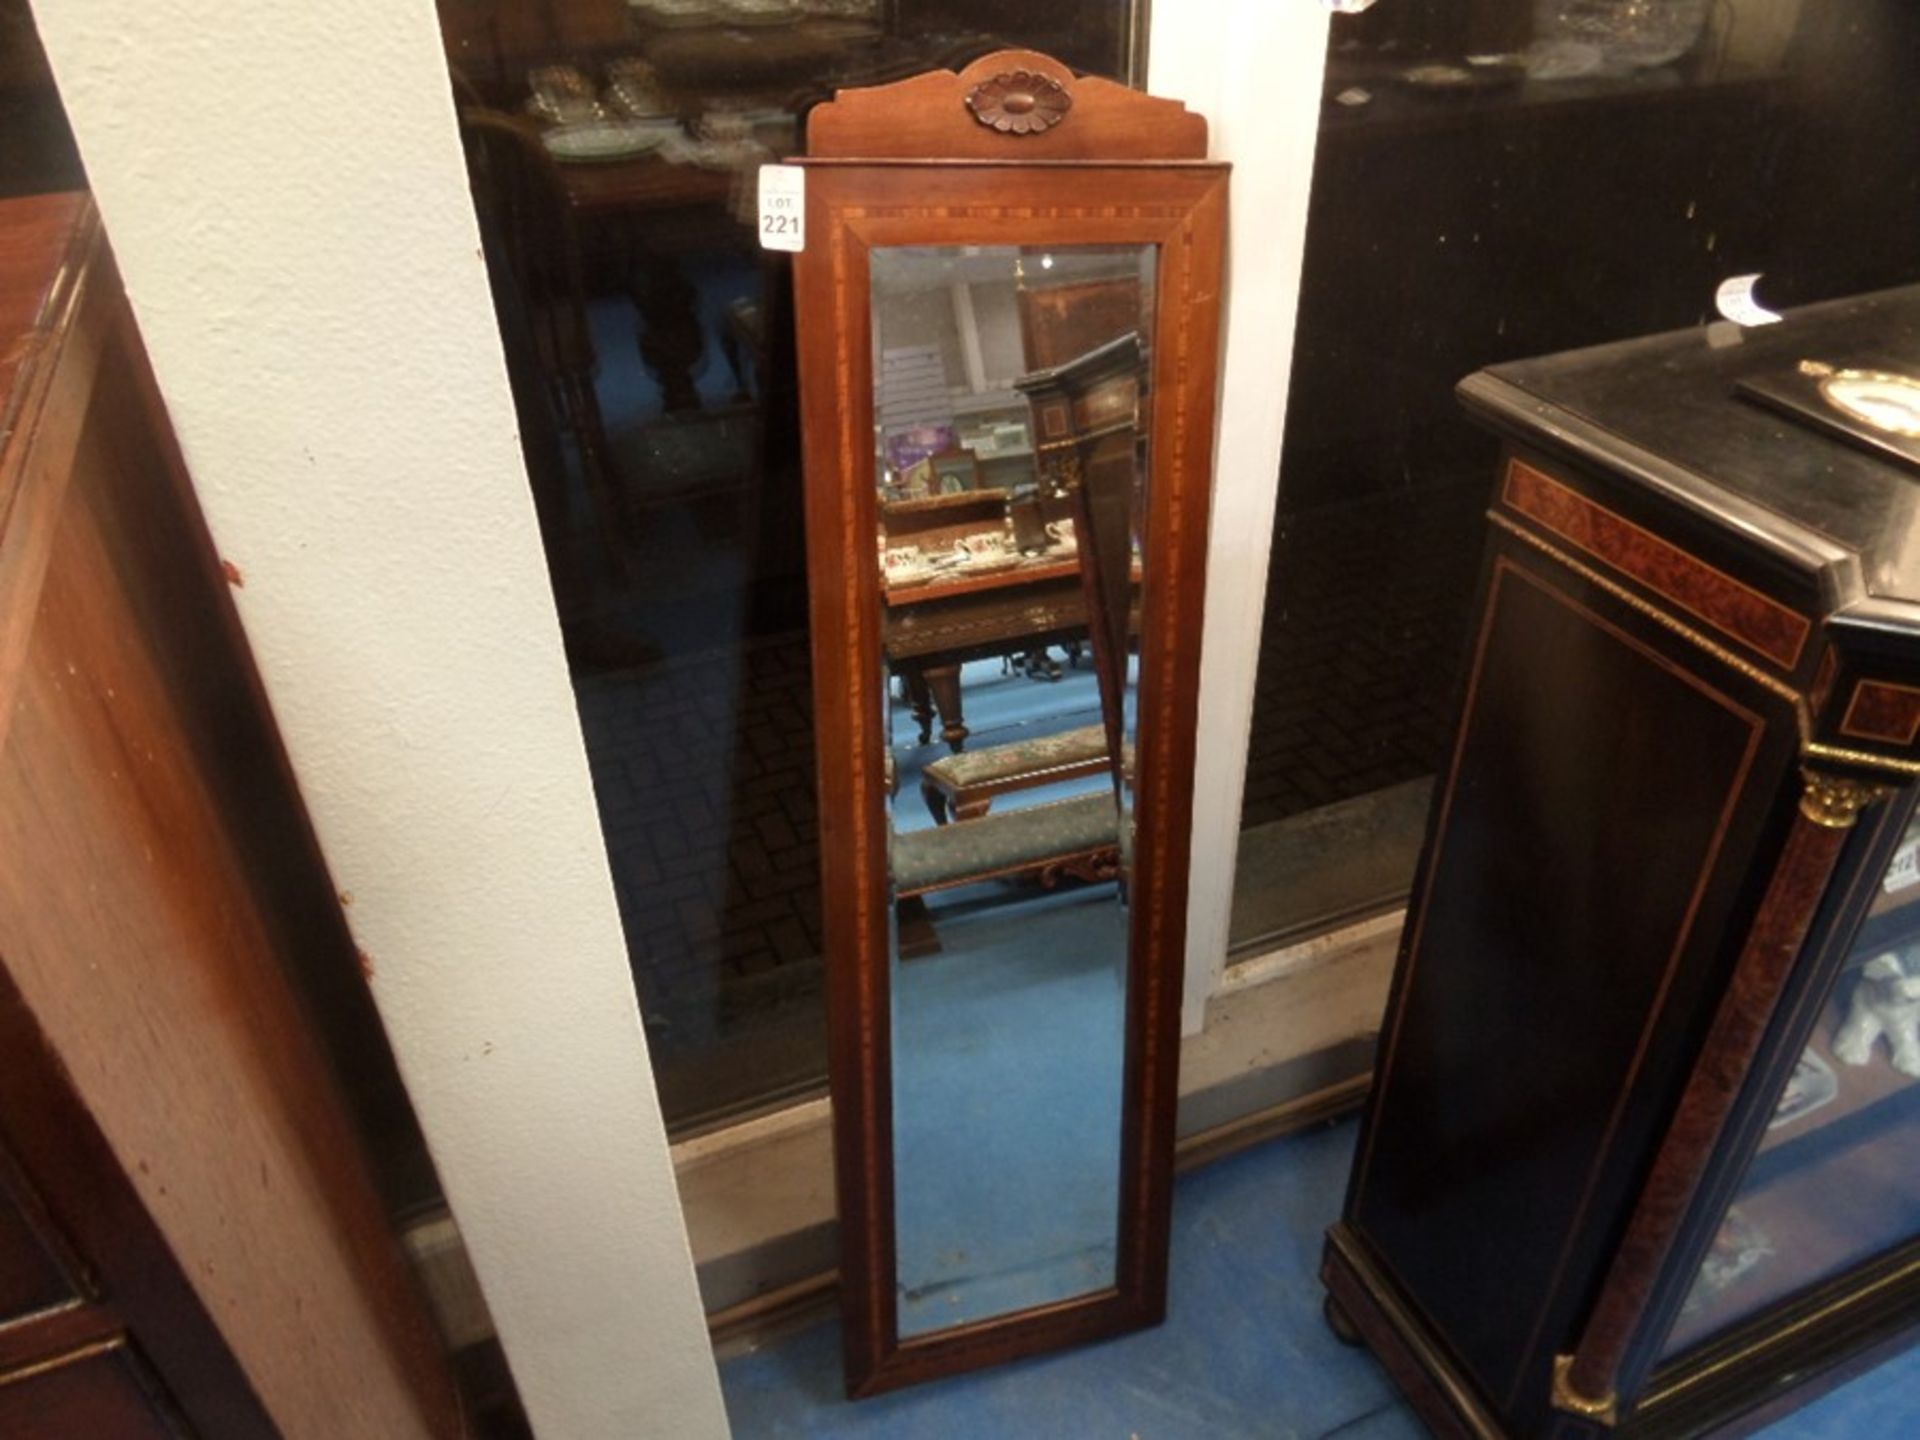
(923, 162)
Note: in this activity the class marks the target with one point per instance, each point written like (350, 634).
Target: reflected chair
(1099, 400)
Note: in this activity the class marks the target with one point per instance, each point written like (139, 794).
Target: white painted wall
(284, 188)
(1253, 68)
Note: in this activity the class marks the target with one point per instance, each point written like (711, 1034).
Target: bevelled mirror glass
(1008, 390)
(1007, 373)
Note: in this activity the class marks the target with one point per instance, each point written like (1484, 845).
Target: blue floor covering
(1008, 1048)
(1243, 1354)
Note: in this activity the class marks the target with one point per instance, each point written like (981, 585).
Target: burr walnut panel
(1763, 625)
(1880, 710)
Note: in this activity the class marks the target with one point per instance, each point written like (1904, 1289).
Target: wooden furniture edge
(1816, 561)
(83, 341)
(1392, 1329)
(45, 412)
(152, 1296)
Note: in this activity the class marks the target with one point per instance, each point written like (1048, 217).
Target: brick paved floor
(1367, 606)
(703, 769)
(702, 748)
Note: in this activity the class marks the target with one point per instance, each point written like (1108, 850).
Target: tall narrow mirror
(1008, 317)
(1009, 384)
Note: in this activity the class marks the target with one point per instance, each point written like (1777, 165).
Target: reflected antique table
(645, 183)
(930, 629)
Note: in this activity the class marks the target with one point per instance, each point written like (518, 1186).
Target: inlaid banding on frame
(1765, 626)
(1883, 711)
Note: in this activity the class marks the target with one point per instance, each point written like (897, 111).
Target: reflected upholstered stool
(962, 786)
(1078, 837)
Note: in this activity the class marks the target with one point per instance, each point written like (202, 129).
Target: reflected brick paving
(1366, 613)
(703, 770)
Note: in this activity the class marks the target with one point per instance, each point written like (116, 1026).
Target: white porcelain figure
(1886, 1001)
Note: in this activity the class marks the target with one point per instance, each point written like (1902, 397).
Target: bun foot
(1343, 1328)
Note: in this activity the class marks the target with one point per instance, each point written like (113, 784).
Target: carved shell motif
(1019, 102)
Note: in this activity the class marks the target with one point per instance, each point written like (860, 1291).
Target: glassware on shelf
(562, 95)
(633, 89)
(1623, 34)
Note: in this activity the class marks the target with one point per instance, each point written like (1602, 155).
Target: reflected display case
(1643, 1150)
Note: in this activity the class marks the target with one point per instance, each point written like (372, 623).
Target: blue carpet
(1243, 1355)
(1008, 1051)
(1009, 1045)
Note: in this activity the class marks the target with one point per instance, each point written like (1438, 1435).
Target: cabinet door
(35, 1276)
(66, 1366)
(101, 1334)
(98, 1391)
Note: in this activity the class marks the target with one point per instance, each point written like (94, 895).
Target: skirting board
(755, 1322)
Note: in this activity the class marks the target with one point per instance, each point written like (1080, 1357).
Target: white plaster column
(1253, 68)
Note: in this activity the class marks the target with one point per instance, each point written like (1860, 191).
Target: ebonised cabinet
(1619, 1170)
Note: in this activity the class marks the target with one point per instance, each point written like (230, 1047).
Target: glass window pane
(38, 155)
(1497, 179)
(613, 148)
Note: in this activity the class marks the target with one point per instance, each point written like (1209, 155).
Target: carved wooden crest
(1005, 106)
(1019, 102)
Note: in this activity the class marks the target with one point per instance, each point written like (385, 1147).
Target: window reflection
(1492, 181)
(613, 149)
(38, 155)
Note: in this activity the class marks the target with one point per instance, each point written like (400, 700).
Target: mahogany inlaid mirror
(1008, 308)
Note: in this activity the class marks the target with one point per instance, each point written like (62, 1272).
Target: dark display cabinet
(1643, 1150)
